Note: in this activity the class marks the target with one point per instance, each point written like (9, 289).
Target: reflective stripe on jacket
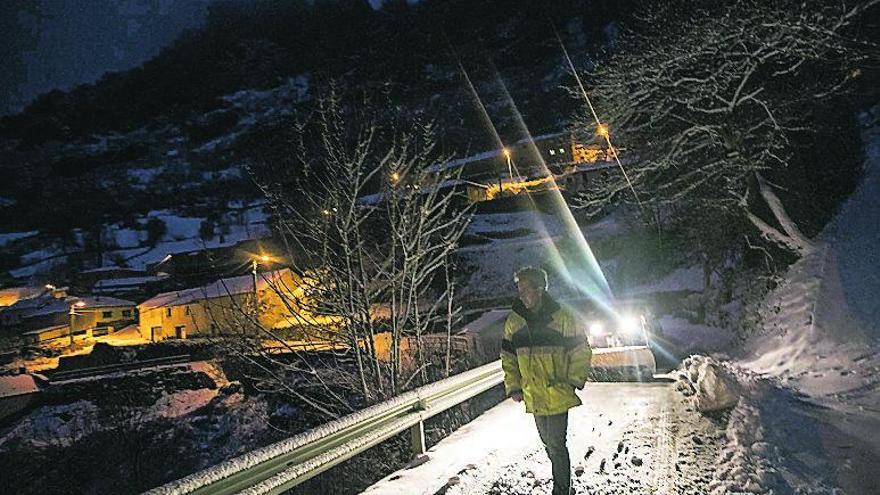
(545, 356)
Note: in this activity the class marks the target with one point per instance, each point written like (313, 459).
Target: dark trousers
(553, 431)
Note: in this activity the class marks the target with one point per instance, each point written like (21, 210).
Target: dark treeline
(258, 43)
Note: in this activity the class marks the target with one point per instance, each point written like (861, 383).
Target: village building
(12, 295)
(200, 266)
(100, 314)
(88, 278)
(226, 307)
(137, 288)
(53, 315)
(12, 316)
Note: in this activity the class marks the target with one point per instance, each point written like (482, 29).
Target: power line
(601, 128)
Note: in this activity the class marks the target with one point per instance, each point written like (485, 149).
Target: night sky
(58, 44)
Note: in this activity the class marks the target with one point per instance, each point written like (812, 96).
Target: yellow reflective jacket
(545, 356)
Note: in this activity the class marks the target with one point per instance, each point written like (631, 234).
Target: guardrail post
(417, 431)
(417, 438)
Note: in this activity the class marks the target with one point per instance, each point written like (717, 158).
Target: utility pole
(78, 304)
(254, 274)
(255, 261)
(509, 164)
(70, 327)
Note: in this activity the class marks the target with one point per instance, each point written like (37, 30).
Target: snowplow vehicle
(620, 340)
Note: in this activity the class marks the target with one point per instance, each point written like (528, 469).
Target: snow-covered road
(626, 438)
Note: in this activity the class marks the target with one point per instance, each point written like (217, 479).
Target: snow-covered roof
(486, 154)
(12, 295)
(45, 329)
(31, 302)
(127, 282)
(110, 269)
(50, 305)
(370, 199)
(488, 321)
(102, 302)
(225, 287)
(46, 305)
(376, 198)
(459, 162)
(7, 237)
(141, 257)
(17, 385)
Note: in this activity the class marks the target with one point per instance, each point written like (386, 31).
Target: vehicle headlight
(630, 325)
(596, 329)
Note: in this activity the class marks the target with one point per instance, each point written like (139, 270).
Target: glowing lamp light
(264, 258)
(506, 152)
(630, 325)
(602, 130)
(395, 177)
(596, 329)
(79, 304)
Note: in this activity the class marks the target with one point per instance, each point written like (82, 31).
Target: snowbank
(689, 279)
(772, 439)
(742, 464)
(820, 329)
(181, 403)
(53, 426)
(692, 338)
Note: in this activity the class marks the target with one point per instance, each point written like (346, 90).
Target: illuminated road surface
(626, 438)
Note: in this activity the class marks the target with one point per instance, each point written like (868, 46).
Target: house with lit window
(99, 315)
(19, 304)
(225, 307)
(51, 316)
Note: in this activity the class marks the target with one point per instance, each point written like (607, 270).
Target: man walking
(545, 358)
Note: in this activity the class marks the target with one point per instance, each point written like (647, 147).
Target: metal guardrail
(281, 466)
(111, 368)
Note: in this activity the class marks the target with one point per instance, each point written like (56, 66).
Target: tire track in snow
(664, 459)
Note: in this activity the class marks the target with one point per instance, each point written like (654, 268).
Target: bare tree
(370, 232)
(708, 97)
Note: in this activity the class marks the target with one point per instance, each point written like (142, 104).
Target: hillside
(96, 166)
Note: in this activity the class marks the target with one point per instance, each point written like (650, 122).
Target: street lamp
(73, 308)
(255, 262)
(509, 165)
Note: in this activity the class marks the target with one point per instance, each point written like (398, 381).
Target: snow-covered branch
(712, 93)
